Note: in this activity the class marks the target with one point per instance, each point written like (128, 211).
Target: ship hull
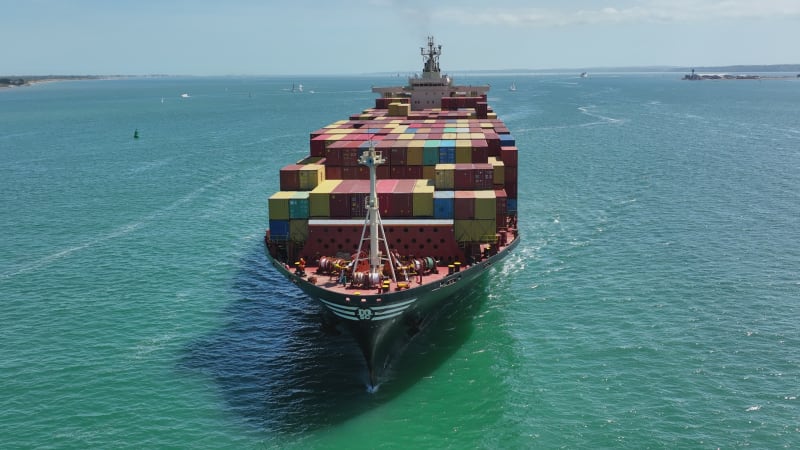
(382, 323)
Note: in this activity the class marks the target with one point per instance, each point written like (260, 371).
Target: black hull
(383, 323)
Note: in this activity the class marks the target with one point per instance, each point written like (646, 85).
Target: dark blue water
(652, 303)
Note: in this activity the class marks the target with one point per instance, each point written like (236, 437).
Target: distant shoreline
(16, 81)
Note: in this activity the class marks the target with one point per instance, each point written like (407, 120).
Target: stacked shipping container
(449, 181)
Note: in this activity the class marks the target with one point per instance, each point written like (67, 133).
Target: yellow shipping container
(429, 172)
(485, 205)
(399, 109)
(445, 176)
(449, 136)
(310, 160)
(336, 124)
(422, 202)
(311, 175)
(319, 204)
(414, 153)
(483, 230)
(278, 205)
(333, 138)
(463, 155)
(298, 230)
(499, 170)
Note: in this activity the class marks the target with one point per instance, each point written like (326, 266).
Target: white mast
(371, 158)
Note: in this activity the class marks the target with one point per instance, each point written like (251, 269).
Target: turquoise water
(653, 302)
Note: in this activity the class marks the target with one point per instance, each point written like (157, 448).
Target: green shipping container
(445, 176)
(311, 175)
(319, 199)
(485, 205)
(430, 156)
(422, 203)
(298, 230)
(483, 230)
(278, 205)
(298, 206)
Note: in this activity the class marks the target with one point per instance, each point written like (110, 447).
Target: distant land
(27, 80)
(772, 68)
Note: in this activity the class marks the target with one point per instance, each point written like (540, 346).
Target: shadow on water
(278, 370)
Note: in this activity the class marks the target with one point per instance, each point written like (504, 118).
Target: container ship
(397, 210)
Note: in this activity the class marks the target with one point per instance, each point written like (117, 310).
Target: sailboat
(513, 87)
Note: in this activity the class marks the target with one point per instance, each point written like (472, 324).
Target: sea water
(652, 303)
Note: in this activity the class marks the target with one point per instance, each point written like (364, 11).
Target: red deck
(405, 279)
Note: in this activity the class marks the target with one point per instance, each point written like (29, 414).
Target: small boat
(185, 95)
(584, 75)
(136, 134)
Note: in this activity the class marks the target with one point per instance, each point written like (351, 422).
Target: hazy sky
(254, 37)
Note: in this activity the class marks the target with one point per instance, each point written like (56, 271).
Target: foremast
(377, 256)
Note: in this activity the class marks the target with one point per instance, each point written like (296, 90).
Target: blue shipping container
(447, 155)
(507, 140)
(279, 229)
(511, 205)
(443, 204)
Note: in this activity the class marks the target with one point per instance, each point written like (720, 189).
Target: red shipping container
(509, 156)
(290, 177)
(384, 147)
(333, 153)
(485, 176)
(464, 205)
(481, 110)
(358, 205)
(318, 145)
(399, 154)
(340, 205)
(511, 182)
(355, 173)
(333, 172)
(398, 172)
(510, 174)
(493, 141)
(463, 177)
(473, 176)
(391, 202)
(344, 198)
(382, 172)
(511, 189)
(414, 172)
(480, 151)
(501, 199)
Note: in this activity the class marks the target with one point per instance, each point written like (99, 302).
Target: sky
(266, 37)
